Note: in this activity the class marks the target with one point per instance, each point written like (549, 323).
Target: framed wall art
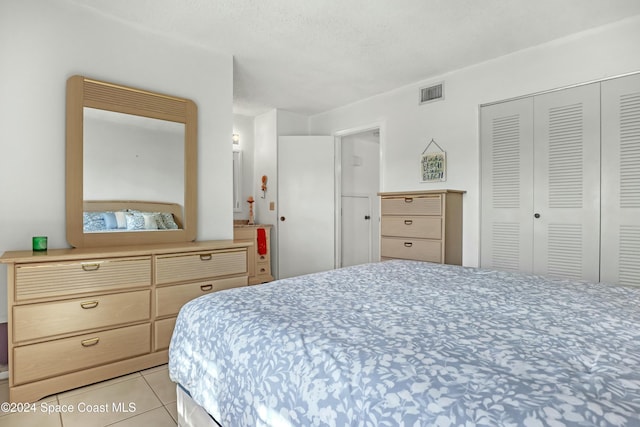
(433, 165)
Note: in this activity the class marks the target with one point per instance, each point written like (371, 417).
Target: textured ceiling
(310, 56)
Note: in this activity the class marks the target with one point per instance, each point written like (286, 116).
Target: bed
(409, 343)
(112, 216)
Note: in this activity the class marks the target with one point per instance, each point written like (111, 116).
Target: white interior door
(541, 184)
(507, 183)
(621, 181)
(567, 183)
(306, 200)
(356, 230)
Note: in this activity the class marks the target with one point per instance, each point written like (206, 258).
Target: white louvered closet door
(566, 217)
(507, 181)
(621, 181)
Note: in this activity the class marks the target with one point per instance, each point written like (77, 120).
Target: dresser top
(26, 256)
(417, 193)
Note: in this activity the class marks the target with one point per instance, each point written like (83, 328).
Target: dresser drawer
(199, 266)
(421, 250)
(425, 227)
(170, 299)
(55, 279)
(35, 321)
(48, 359)
(421, 205)
(163, 332)
(263, 268)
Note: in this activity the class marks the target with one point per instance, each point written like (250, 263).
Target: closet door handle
(536, 215)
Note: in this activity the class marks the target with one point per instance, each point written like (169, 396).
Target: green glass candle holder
(39, 243)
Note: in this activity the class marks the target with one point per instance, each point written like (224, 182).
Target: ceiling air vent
(432, 93)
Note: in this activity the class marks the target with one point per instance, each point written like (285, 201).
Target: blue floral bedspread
(405, 343)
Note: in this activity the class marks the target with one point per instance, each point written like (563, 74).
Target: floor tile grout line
(59, 412)
(133, 416)
(164, 405)
(98, 385)
(170, 416)
(153, 391)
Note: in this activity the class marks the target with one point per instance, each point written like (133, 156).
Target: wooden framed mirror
(131, 165)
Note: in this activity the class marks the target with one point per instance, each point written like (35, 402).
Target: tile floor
(147, 398)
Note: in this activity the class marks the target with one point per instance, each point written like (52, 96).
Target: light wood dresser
(259, 263)
(79, 316)
(422, 225)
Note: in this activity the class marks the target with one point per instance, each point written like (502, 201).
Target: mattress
(414, 344)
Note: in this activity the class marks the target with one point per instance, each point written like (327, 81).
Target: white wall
(42, 43)
(268, 127)
(360, 164)
(292, 124)
(266, 163)
(132, 159)
(244, 127)
(453, 123)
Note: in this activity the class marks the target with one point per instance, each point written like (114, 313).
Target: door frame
(338, 135)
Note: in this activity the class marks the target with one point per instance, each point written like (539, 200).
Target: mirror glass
(129, 157)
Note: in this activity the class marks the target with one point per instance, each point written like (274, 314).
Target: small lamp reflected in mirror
(235, 138)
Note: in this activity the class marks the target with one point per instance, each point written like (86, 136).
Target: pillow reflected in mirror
(129, 220)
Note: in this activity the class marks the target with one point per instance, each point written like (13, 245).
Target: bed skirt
(190, 414)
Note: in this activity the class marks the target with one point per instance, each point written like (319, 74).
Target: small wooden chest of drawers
(423, 226)
(78, 316)
(259, 260)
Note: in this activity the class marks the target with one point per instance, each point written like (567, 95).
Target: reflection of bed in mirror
(108, 216)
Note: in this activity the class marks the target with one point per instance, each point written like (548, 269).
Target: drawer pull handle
(205, 257)
(262, 270)
(91, 267)
(408, 244)
(206, 288)
(408, 199)
(262, 257)
(90, 342)
(89, 304)
(408, 222)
